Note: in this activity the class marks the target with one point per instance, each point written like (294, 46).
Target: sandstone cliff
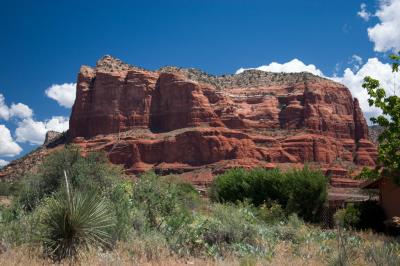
(183, 120)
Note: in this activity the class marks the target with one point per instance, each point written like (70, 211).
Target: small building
(341, 192)
(389, 195)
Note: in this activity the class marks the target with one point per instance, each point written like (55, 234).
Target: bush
(230, 224)
(90, 173)
(306, 192)
(151, 246)
(18, 228)
(368, 174)
(230, 186)
(33, 190)
(302, 192)
(120, 198)
(348, 217)
(164, 203)
(362, 215)
(271, 213)
(291, 231)
(8, 188)
(75, 223)
(227, 228)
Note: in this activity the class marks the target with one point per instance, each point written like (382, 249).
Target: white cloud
(293, 66)
(8, 147)
(386, 34)
(363, 13)
(57, 123)
(4, 110)
(20, 110)
(3, 163)
(64, 94)
(30, 131)
(34, 132)
(356, 62)
(356, 59)
(354, 79)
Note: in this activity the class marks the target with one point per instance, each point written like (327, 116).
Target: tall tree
(389, 120)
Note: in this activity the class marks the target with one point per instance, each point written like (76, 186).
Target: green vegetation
(349, 216)
(362, 215)
(75, 223)
(302, 192)
(8, 188)
(102, 217)
(90, 173)
(368, 174)
(389, 139)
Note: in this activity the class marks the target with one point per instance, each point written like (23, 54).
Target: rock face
(183, 120)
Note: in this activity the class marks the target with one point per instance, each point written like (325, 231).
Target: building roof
(371, 183)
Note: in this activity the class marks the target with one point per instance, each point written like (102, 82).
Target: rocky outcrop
(360, 125)
(183, 120)
(177, 103)
(110, 100)
(54, 138)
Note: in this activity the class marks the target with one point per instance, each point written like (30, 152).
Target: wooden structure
(389, 195)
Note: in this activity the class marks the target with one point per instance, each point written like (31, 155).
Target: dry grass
(121, 256)
(5, 201)
(142, 253)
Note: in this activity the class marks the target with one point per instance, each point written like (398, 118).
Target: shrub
(151, 246)
(307, 193)
(291, 231)
(230, 186)
(17, 227)
(33, 189)
(226, 229)
(8, 188)
(369, 174)
(271, 213)
(120, 198)
(362, 215)
(266, 185)
(164, 203)
(76, 222)
(230, 224)
(92, 172)
(299, 191)
(348, 217)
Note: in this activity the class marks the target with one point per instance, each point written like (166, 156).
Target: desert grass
(122, 255)
(154, 251)
(5, 201)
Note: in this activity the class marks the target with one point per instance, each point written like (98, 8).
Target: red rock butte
(185, 121)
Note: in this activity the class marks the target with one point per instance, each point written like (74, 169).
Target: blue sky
(45, 42)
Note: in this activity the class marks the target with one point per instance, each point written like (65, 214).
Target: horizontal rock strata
(184, 120)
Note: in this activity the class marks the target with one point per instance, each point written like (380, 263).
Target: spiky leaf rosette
(76, 223)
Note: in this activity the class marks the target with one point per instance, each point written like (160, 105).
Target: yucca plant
(75, 222)
(387, 254)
